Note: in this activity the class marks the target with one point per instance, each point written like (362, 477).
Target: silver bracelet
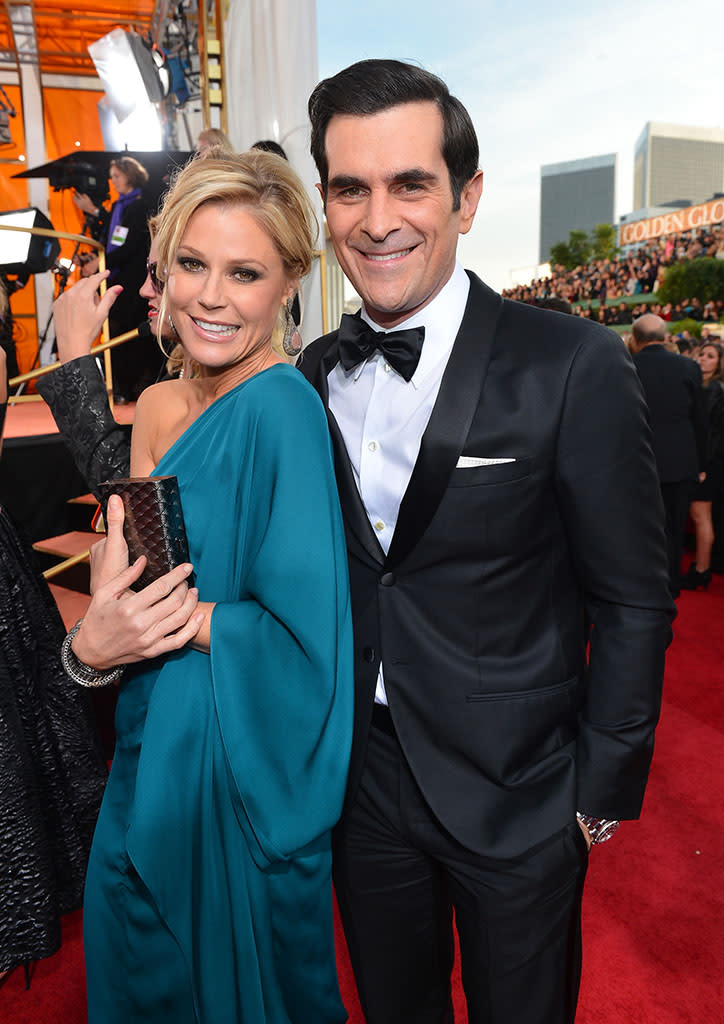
(84, 674)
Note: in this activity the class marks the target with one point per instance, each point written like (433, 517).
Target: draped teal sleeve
(287, 637)
(243, 762)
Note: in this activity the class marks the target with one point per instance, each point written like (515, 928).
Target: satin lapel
(452, 415)
(349, 496)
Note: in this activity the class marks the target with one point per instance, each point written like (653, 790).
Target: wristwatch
(599, 829)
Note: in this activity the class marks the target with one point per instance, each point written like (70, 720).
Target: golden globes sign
(698, 216)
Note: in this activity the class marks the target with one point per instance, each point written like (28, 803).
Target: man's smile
(386, 257)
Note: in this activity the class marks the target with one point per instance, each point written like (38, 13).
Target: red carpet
(654, 901)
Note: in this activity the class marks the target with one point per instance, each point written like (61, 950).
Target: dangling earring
(292, 339)
(172, 325)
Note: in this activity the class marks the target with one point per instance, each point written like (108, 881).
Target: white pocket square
(468, 461)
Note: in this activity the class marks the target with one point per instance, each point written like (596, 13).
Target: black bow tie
(357, 342)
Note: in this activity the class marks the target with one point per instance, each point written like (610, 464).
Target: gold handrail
(41, 371)
(55, 570)
(83, 240)
(52, 233)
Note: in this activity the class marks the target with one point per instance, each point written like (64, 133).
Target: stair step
(84, 499)
(80, 512)
(71, 605)
(65, 545)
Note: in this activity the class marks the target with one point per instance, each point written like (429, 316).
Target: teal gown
(208, 897)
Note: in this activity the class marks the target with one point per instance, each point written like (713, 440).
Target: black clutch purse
(153, 525)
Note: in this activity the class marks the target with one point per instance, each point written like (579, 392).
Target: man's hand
(586, 834)
(79, 313)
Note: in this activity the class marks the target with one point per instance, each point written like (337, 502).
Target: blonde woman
(208, 895)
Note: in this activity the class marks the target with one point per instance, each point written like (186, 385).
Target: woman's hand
(120, 626)
(109, 557)
(85, 203)
(79, 313)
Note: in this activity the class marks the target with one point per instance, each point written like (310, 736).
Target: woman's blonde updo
(269, 190)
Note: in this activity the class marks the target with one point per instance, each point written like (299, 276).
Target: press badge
(120, 234)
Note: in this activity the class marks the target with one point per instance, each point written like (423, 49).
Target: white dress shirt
(382, 417)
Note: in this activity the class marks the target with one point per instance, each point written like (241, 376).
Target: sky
(543, 83)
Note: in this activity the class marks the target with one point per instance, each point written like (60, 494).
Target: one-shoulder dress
(208, 896)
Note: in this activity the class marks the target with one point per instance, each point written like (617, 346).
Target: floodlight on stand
(21, 252)
(140, 131)
(150, 62)
(127, 70)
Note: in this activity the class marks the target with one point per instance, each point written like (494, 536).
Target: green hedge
(630, 300)
(702, 279)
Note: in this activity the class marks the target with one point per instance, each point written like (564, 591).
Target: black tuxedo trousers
(399, 876)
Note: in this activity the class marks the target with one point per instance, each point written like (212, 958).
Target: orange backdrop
(70, 117)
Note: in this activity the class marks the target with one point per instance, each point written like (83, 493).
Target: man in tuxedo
(501, 506)
(675, 396)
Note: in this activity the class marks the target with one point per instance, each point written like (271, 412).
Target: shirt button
(388, 368)
(372, 446)
(379, 525)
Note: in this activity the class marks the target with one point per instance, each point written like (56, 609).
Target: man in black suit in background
(497, 494)
(675, 397)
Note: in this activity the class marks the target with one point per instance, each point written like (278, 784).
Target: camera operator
(124, 231)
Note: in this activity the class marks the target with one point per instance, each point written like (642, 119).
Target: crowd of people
(637, 272)
(374, 665)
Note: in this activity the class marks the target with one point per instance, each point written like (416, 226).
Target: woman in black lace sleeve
(52, 773)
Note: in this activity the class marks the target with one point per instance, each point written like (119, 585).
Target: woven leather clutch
(153, 525)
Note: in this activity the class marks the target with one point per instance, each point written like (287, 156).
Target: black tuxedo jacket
(481, 610)
(677, 411)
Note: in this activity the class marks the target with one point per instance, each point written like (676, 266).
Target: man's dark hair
(270, 146)
(371, 86)
(556, 303)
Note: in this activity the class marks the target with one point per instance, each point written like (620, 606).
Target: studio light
(22, 253)
(140, 131)
(133, 86)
